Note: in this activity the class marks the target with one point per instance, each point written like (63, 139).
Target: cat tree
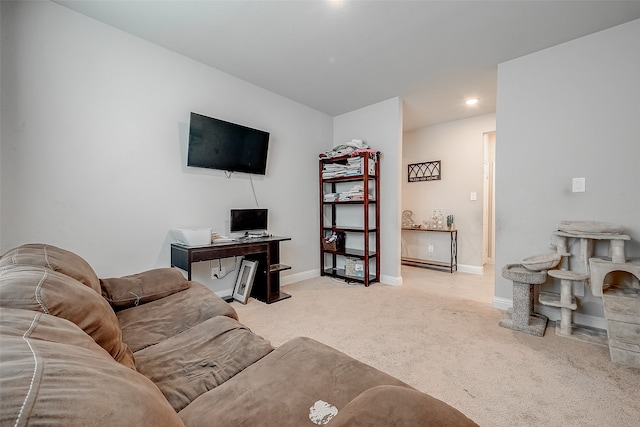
(621, 302)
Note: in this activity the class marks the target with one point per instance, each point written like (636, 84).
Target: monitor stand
(254, 235)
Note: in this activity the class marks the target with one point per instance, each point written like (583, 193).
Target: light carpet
(454, 350)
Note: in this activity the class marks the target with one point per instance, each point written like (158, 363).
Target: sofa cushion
(54, 258)
(288, 381)
(42, 289)
(200, 358)
(130, 291)
(399, 407)
(150, 323)
(53, 374)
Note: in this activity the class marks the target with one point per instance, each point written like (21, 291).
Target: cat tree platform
(521, 317)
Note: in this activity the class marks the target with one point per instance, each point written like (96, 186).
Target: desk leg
(181, 258)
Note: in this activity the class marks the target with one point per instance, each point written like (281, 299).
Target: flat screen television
(217, 144)
(248, 221)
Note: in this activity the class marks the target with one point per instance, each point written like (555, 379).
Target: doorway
(488, 206)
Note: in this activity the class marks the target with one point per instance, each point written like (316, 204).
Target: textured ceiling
(338, 56)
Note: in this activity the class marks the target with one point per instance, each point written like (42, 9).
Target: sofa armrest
(398, 406)
(130, 291)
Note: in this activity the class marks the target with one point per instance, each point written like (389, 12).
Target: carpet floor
(453, 349)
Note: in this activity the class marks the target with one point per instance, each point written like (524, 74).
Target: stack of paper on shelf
(352, 167)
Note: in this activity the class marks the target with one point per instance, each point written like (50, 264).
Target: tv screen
(248, 220)
(216, 144)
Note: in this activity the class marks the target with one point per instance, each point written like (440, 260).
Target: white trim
(391, 280)
(473, 269)
(502, 303)
(284, 281)
(553, 313)
(312, 274)
(299, 277)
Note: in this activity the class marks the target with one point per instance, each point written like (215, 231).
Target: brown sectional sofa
(153, 349)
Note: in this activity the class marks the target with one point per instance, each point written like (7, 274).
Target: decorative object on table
(449, 221)
(244, 282)
(436, 222)
(425, 171)
(541, 262)
(433, 222)
(407, 219)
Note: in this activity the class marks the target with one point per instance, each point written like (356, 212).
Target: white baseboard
(298, 277)
(553, 313)
(390, 280)
(502, 303)
(384, 279)
(473, 269)
(311, 274)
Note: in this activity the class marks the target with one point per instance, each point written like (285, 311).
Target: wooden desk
(452, 265)
(265, 250)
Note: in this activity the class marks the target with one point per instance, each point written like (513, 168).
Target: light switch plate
(473, 196)
(578, 185)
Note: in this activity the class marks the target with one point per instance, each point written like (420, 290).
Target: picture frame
(425, 171)
(244, 281)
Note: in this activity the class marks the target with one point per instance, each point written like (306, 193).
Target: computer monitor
(248, 221)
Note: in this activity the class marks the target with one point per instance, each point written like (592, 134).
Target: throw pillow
(130, 291)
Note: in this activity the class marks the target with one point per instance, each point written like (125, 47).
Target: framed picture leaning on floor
(244, 282)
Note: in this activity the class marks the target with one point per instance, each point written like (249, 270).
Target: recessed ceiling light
(471, 101)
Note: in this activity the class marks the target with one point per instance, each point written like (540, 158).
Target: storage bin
(336, 245)
(359, 269)
(350, 267)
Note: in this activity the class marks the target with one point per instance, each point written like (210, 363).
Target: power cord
(254, 191)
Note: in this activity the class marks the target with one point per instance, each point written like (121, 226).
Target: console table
(452, 265)
(265, 250)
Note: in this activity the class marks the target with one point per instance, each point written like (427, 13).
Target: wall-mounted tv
(217, 144)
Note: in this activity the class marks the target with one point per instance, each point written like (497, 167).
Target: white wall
(459, 145)
(380, 126)
(568, 111)
(94, 134)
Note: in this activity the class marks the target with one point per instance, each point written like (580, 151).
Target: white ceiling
(338, 56)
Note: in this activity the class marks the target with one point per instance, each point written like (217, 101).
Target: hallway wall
(459, 146)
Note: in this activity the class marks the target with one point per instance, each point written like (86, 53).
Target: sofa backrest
(57, 259)
(41, 289)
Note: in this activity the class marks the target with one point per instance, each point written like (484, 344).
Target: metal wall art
(425, 171)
